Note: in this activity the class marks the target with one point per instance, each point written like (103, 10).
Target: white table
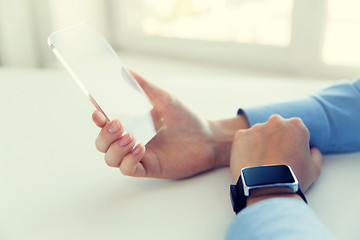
(55, 185)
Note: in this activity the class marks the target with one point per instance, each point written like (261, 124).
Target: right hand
(184, 145)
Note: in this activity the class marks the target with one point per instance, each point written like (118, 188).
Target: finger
(118, 149)
(157, 96)
(108, 134)
(318, 159)
(314, 169)
(99, 118)
(130, 165)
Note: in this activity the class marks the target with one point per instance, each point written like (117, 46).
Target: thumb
(158, 97)
(317, 158)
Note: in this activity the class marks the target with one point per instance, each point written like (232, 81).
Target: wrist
(223, 132)
(264, 182)
(258, 198)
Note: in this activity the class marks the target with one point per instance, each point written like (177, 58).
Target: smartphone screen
(98, 71)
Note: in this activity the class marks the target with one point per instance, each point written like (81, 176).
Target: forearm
(267, 193)
(332, 116)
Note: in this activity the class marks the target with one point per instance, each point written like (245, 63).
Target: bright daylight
(179, 119)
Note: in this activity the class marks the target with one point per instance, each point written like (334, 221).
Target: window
(342, 35)
(307, 37)
(219, 20)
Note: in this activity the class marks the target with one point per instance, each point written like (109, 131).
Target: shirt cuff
(278, 218)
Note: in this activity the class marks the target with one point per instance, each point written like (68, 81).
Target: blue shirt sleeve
(333, 119)
(332, 116)
(278, 219)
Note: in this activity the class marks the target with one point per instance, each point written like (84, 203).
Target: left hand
(185, 144)
(278, 141)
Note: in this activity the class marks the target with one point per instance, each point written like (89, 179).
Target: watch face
(265, 175)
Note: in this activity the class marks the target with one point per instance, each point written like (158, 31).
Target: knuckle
(257, 127)
(296, 122)
(256, 130)
(300, 126)
(275, 118)
(239, 134)
(275, 121)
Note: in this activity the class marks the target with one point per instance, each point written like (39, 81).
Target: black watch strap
(238, 198)
(300, 193)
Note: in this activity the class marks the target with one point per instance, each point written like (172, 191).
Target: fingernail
(114, 128)
(125, 140)
(137, 150)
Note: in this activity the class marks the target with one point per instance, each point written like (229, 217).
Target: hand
(185, 144)
(278, 141)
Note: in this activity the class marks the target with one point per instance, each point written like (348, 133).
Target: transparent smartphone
(97, 69)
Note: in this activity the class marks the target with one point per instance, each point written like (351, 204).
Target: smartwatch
(269, 176)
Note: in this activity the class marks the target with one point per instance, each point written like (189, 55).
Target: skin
(278, 141)
(185, 143)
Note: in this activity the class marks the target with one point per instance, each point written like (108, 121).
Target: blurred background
(305, 38)
(214, 55)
